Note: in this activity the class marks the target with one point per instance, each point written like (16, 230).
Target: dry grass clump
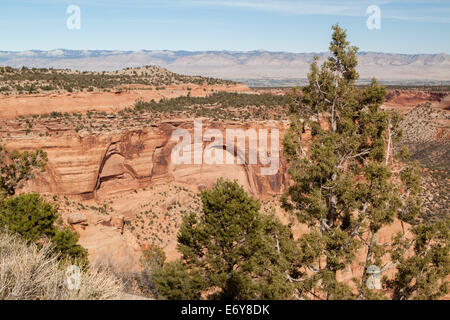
(31, 273)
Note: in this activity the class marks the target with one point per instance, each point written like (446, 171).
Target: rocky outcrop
(99, 165)
(77, 218)
(403, 100)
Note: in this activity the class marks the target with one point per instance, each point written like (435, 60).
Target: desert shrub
(18, 167)
(29, 272)
(47, 87)
(142, 282)
(28, 215)
(33, 219)
(153, 258)
(224, 99)
(65, 242)
(175, 282)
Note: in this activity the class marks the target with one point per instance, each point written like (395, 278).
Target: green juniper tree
(29, 215)
(17, 168)
(174, 281)
(344, 185)
(423, 274)
(231, 251)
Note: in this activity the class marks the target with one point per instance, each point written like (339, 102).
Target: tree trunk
(332, 203)
(389, 142)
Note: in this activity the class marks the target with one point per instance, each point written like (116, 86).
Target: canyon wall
(98, 165)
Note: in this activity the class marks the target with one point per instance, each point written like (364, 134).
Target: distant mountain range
(257, 68)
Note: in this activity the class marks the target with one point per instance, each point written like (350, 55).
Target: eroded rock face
(403, 100)
(96, 166)
(101, 167)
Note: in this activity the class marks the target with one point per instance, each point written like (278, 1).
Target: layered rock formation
(98, 165)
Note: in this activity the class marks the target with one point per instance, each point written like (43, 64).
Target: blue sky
(274, 25)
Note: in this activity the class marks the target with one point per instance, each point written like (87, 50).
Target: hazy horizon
(255, 68)
(223, 50)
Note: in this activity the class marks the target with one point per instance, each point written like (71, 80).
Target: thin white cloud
(294, 7)
(411, 10)
(415, 10)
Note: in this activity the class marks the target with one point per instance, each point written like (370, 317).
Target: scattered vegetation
(349, 180)
(28, 215)
(34, 80)
(427, 140)
(31, 272)
(16, 168)
(217, 107)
